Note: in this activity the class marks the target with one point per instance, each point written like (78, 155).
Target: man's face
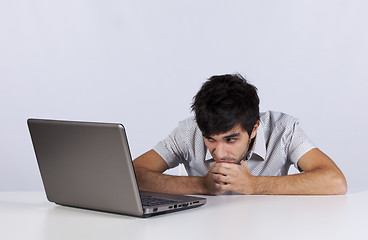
(231, 146)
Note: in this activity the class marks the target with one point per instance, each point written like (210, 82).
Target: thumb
(244, 163)
(212, 165)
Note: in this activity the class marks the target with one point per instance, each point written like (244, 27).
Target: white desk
(28, 215)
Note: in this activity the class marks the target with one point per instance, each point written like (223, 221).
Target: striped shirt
(279, 143)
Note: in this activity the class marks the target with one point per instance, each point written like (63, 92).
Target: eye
(210, 139)
(231, 140)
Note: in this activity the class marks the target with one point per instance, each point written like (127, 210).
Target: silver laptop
(89, 165)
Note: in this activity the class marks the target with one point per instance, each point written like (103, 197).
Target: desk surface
(28, 215)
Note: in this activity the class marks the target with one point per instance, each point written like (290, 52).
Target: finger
(233, 171)
(244, 164)
(224, 165)
(223, 188)
(218, 169)
(245, 168)
(212, 165)
(229, 167)
(219, 178)
(220, 188)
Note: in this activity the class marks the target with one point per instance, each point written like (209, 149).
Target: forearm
(158, 182)
(318, 181)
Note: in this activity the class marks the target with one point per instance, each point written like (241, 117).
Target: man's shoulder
(187, 135)
(188, 123)
(187, 128)
(275, 120)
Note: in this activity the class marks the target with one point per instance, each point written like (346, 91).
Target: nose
(220, 153)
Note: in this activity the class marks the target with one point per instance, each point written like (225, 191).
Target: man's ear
(254, 131)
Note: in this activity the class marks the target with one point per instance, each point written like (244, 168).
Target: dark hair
(225, 101)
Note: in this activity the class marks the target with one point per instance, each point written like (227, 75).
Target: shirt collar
(208, 155)
(259, 147)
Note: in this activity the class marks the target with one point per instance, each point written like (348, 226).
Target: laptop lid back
(86, 165)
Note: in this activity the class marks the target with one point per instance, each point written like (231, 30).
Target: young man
(230, 146)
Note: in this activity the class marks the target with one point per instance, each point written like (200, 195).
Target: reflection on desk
(28, 215)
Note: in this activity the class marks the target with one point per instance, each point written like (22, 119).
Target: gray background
(141, 62)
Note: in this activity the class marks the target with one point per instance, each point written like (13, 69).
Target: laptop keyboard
(150, 201)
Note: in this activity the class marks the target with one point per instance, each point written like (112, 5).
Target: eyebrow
(232, 135)
(225, 137)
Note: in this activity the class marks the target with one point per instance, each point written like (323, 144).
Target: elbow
(339, 186)
(343, 188)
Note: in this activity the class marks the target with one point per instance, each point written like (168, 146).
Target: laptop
(88, 165)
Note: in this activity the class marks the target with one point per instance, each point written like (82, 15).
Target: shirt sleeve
(171, 148)
(300, 145)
